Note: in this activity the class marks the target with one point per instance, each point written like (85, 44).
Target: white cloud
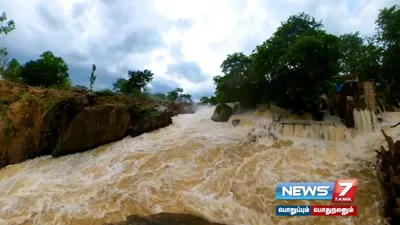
(118, 35)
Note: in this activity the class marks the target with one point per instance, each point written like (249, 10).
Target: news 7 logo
(338, 191)
(345, 191)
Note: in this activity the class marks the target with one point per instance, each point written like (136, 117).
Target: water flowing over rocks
(35, 121)
(165, 219)
(194, 166)
(224, 111)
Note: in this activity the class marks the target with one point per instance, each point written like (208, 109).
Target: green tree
(179, 90)
(370, 61)
(236, 82)
(12, 72)
(160, 96)
(139, 79)
(47, 71)
(208, 100)
(388, 26)
(388, 37)
(92, 77)
(186, 98)
(297, 63)
(3, 60)
(146, 93)
(122, 86)
(213, 100)
(6, 26)
(205, 100)
(352, 51)
(135, 83)
(66, 85)
(174, 95)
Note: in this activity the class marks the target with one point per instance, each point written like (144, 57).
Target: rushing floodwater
(193, 166)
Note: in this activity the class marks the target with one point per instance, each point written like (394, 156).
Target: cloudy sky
(182, 41)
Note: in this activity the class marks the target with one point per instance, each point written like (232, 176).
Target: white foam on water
(365, 121)
(195, 166)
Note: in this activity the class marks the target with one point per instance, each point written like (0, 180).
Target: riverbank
(36, 122)
(388, 163)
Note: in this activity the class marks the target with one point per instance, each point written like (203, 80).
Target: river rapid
(193, 166)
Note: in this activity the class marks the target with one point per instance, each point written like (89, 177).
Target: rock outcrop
(235, 107)
(222, 113)
(165, 219)
(145, 120)
(35, 121)
(388, 162)
(93, 126)
(176, 108)
(235, 122)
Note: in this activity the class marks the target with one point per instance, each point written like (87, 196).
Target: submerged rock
(222, 113)
(251, 137)
(165, 219)
(235, 122)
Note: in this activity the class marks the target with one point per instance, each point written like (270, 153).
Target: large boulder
(222, 113)
(235, 107)
(165, 219)
(181, 108)
(150, 119)
(92, 127)
(176, 107)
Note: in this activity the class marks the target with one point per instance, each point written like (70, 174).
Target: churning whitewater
(196, 166)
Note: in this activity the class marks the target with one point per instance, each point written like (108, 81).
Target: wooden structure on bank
(352, 95)
(355, 95)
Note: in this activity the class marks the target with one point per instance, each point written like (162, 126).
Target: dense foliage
(47, 71)
(292, 69)
(208, 100)
(177, 95)
(135, 83)
(301, 61)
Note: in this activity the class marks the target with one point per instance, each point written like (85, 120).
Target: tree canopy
(292, 68)
(135, 83)
(47, 71)
(6, 27)
(13, 71)
(208, 100)
(301, 61)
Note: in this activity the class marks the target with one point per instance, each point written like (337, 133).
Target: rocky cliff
(35, 121)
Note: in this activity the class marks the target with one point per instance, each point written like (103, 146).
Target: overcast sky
(182, 41)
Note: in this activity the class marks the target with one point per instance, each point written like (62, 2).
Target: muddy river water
(194, 166)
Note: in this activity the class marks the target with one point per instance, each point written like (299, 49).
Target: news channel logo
(338, 191)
